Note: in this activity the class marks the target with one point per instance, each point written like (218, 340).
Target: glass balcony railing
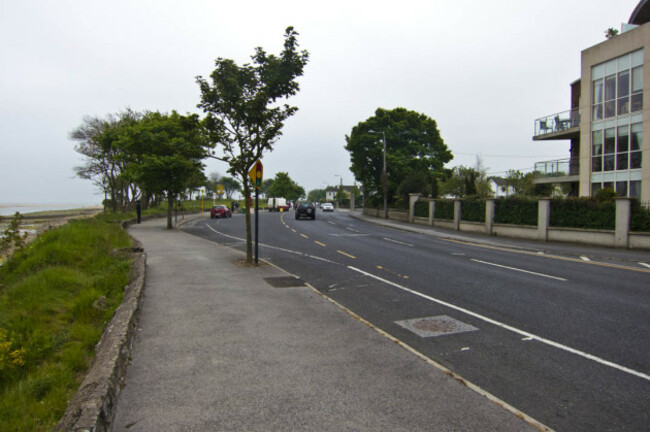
(557, 122)
(557, 168)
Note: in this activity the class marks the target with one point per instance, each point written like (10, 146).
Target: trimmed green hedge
(422, 209)
(444, 209)
(516, 211)
(586, 213)
(640, 217)
(472, 210)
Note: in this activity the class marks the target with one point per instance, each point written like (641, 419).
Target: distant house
(500, 187)
(331, 191)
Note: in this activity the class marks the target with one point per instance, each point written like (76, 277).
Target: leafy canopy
(283, 186)
(413, 145)
(244, 117)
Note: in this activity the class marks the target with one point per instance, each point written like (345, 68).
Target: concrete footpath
(220, 348)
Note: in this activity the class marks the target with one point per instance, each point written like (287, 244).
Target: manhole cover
(435, 326)
(284, 282)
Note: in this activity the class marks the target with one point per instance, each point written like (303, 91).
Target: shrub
(639, 218)
(516, 211)
(444, 209)
(422, 209)
(585, 213)
(473, 210)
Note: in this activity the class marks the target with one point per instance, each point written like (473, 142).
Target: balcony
(558, 171)
(562, 125)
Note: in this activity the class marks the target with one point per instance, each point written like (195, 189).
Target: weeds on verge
(56, 296)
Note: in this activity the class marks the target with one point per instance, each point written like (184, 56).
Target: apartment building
(608, 124)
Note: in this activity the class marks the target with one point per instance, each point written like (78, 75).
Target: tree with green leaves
(283, 186)
(103, 163)
(244, 118)
(169, 149)
(413, 145)
(464, 182)
(316, 195)
(230, 186)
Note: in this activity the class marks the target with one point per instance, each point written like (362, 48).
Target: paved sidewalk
(218, 348)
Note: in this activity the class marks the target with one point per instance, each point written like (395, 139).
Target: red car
(220, 211)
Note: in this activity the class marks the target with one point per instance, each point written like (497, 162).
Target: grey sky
(483, 70)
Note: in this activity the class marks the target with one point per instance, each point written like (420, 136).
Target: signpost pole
(256, 176)
(257, 225)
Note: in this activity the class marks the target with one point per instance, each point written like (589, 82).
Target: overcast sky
(484, 70)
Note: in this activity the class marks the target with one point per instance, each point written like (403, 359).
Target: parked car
(306, 209)
(327, 207)
(220, 211)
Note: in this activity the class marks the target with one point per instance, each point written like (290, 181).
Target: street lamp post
(384, 184)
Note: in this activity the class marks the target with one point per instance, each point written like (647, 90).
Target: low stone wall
(584, 236)
(543, 232)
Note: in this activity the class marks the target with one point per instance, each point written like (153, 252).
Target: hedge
(585, 213)
(516, 211)
(422, 209)
(444, 209)
(640, 217)
(472, 210)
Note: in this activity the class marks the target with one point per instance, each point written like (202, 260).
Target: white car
(327, 207)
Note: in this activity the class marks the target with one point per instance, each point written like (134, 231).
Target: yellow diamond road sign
(256, 174)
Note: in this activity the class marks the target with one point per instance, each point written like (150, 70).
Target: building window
(618, 86)
(616, 154)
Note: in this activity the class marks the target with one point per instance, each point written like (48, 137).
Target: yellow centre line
(346, 254)
(319, 243)
(303, 235)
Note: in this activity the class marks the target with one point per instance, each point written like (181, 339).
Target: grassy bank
(56, 296)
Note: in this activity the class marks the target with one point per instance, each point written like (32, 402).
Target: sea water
(10, 209)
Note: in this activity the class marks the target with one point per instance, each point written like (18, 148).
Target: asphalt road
(564, 340)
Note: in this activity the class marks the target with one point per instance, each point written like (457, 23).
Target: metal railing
(558, 168)
(557, 122)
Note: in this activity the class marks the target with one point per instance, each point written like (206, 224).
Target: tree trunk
(170, 206)
(249, 237)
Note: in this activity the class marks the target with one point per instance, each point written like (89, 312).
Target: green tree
(230, 186)
(417, 182)
(169, 150)
(244, 118)
(413, 145)
(465, 182)
(283, 186)
(103, 163)
(316, 195)
(266, 186)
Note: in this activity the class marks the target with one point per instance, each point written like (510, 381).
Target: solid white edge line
(489, 396)
(519, 270)
(508, 327)
(398, 242)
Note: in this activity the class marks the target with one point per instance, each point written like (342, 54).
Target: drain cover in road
(284, 282)
(435, 326)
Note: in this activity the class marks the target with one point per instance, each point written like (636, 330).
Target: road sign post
(255, 174)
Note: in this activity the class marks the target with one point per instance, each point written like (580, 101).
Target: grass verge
(56, 296)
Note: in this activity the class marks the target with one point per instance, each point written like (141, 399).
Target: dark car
(306, 209)
(220, 211)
